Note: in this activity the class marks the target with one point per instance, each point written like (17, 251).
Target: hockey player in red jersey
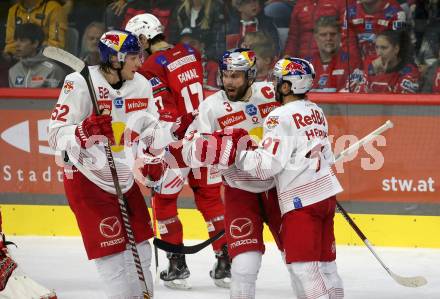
(14, 283)
(241, 105)
(128, 123)
(176, 74)
(295, 151)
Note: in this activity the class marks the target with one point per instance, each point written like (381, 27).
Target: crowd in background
(372, 46)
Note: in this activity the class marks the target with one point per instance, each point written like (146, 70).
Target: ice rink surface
(60, 263)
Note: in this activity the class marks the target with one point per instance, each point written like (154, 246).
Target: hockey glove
(154, 167)
(95, 125)
(237, 140)
(182, 123)
(220, 147)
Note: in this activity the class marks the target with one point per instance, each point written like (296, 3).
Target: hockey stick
(79, 66)
(161, 244)
(156, 253)
(351, 149)
(413, 282)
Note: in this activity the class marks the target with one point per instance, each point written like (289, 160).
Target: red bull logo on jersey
(68, 86)
(231, 119)
(315, 117)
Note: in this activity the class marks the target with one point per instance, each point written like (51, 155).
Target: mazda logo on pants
(240, 228)
(110, 227)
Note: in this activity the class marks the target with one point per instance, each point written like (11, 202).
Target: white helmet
(299, 72)
(146, 24)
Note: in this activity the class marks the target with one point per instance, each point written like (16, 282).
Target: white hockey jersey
(296, 152)
(134, 119)
(217, 112)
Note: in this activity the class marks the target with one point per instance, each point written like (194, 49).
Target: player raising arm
(295, 151)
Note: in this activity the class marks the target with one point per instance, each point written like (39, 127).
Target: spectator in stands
(266, 58)
(279, 11)
(119, 12)
(194, 38)
(248, 17)
(207, 16)
(430, 82)
(89, 44)
(365, 20)
(332, 64)
(251, 39)
(47, 14)
(33, 69)
(300, 41)
(393, 71)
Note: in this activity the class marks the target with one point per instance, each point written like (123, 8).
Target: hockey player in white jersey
(296, 152)
(128, 119)
(241, 106)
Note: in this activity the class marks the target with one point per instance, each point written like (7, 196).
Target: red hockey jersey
(176, 75)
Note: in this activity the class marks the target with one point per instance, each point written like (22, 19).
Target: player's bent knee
(245, 266)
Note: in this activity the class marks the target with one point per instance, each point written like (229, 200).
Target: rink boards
(390, 186)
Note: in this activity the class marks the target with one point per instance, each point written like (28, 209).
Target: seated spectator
(300, 41)
(430, 82)
(393, 71)
(118, 12)
(332, 64)
(47, 14)
(251, 39)
(204, 15)
(89, 44)
(266, 58)
(33, 69)
(249, 17)
(193, 38)
(365, 20)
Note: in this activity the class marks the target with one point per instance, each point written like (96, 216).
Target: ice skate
(221, 272)
(176, 275)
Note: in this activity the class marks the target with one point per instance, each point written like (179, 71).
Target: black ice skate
(176, 275)
(221, 272)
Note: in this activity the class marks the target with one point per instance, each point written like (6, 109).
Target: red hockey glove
(182, 123)
(98, 125)
(220, 147)
(235, 140)
(154, 167)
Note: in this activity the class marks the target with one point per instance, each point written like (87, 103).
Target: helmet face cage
(119, 44)
(240, 59)
(146, 24)
(299, 72)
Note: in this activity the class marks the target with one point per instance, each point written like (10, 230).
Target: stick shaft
(387, 125)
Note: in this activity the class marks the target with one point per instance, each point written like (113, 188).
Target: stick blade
(410, 282)
(64, 57)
